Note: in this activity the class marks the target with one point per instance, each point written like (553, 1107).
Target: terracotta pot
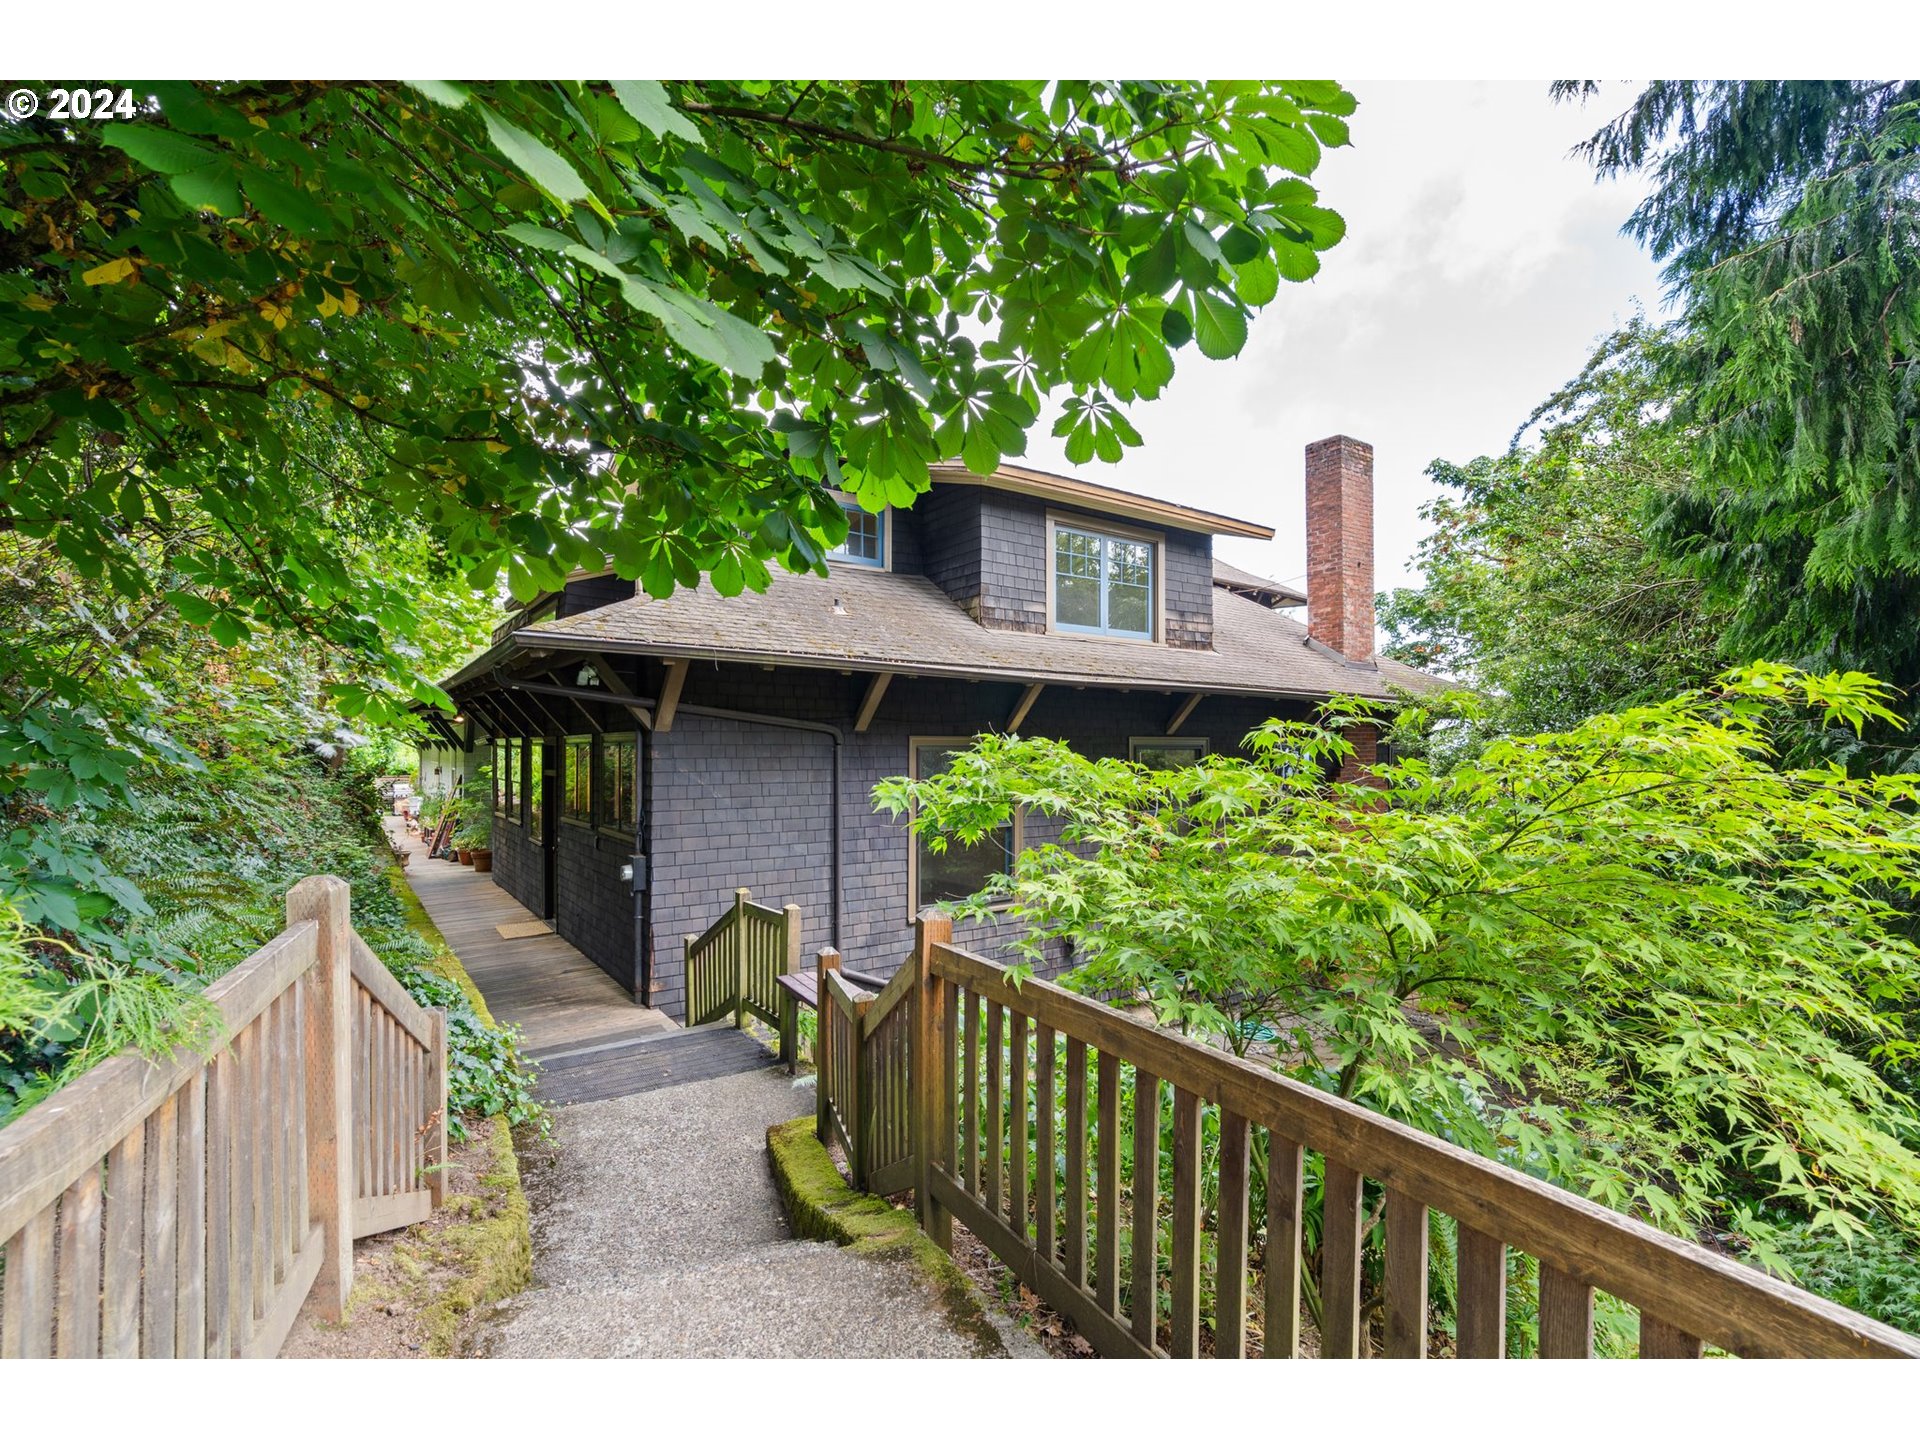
(482, 861)
(463, 854)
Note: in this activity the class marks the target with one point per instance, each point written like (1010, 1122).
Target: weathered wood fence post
(325, 899)
(859, 1100)
(740, 899)
(437, 1137)
(827, 963)
(789, 1008)
(927, 1076)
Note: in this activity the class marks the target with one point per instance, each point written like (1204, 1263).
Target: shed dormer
(1038, 553)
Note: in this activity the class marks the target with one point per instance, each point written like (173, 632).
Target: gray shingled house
(649, 756)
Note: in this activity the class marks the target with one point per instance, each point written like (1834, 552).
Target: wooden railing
(1017, 1129)
(399, 1100)
(733, 967)
(189, 1207)
(864, 1064)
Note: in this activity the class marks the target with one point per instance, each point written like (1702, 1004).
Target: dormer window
(1103, 581)
(866, 542)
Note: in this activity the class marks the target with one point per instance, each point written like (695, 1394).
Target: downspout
(816, 727)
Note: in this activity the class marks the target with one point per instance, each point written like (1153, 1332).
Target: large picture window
(866, 542)
(512, 782)
(961, 870)
(1102, 584)
(576, 780)
(615, 792)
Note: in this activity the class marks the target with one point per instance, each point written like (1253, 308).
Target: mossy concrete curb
(821, 1205)
(493, 1250)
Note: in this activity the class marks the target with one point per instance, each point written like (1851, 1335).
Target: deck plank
(586, 1033)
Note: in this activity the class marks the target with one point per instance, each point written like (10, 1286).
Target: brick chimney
(1340, 545)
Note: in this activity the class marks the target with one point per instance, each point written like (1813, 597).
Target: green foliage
(473, 810)
(1540, 586)
(1634, 956)
(63, 1011)
(1877, 1273)
(1789, 213)
(207, 854)
(565, 325)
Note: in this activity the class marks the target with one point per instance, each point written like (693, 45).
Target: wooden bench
(802, 988)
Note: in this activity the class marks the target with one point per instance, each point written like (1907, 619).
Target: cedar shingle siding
(726, 801)
(742, 804)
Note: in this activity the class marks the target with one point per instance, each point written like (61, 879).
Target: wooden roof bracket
(669, 700)
(1027, 697)
(1185, 712)
(876, 692)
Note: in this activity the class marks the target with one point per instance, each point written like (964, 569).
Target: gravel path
(657, 1232)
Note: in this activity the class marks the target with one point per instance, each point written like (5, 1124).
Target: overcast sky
(1481, 265)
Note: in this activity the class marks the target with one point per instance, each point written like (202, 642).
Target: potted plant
(479, 832)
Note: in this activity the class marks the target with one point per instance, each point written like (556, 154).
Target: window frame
(568, 745)
(1137, 743)
(499, 776)
(885, 518)
(516, 785)
(601, 823)
(1100, 529)
(534, 789)
(1017, 841)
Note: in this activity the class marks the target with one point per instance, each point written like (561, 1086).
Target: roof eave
(1089, 496)
(869, 665)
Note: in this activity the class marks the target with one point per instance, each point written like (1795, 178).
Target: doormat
(523, 929)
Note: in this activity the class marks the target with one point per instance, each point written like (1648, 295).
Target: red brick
(1340, 545)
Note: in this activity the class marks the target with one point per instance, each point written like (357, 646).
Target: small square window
(866, 542)
(1166, 752)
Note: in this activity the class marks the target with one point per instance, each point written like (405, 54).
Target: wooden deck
(559, 998)
(591, 1041)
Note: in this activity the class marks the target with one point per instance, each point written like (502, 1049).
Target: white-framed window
(1166, 752)
(960, 870)
(1104, 583)
(866, 542)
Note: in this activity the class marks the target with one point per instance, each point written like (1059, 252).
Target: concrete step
(643, 1063)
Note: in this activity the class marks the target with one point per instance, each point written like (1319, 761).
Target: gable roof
(1271, 593)
(1068, 490)
(905, 624)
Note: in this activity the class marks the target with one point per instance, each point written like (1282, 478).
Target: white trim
(1157, 583)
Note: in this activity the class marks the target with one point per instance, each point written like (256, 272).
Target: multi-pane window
(576, 779)
(959, 870)
(1102, 584)
(499, 777)
(511, 791)
(1166, 752)
(537, 786)
(617, 772)
(866, 542)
